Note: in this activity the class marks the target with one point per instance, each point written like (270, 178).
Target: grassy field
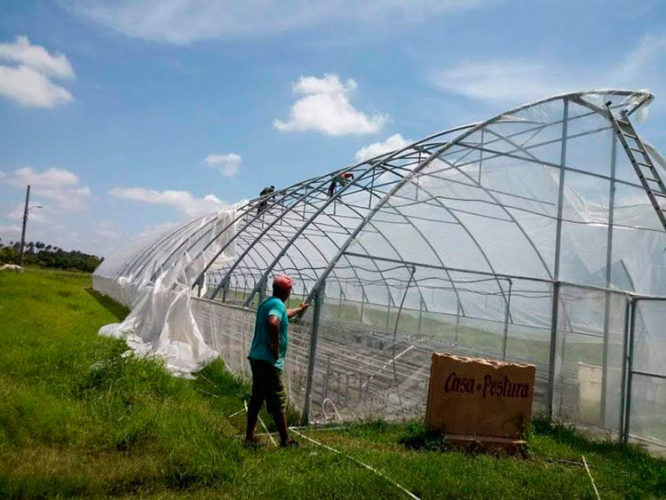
(78, 418)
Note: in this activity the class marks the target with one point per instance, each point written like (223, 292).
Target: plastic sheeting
(161, 323)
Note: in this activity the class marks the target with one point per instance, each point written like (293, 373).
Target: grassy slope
(78, 418)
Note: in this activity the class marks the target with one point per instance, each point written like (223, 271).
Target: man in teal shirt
(269, 347)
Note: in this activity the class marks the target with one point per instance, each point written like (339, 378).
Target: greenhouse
(535, 236)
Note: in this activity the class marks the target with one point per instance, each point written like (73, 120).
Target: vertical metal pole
(225, 289)
(318, 297)
(262, 291)
(553, 349)
(420, 313)
(388, 311)
(25, 221)
(552, 375)
(630, 365)
(625, 346)
(362, 303)
(457, 317)
(609, 252)
(340, 302)
(506, 320)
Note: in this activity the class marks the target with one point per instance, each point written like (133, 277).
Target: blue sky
(129, 116)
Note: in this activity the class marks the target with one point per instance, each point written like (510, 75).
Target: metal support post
(25, 221)
(609, 253)
(552, 372)
(318, 302)
(362, 303)
(225, 288)
(457, 318)
(262, 291)
(630, 365)
(507, 313)
(625, 346)
(420, 313)
(388, 311)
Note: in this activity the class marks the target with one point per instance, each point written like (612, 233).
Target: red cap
(283, 282)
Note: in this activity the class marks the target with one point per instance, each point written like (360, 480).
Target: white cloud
(502, 80)
(29, 82)
(186, 21)
(30, 88)
(36, 57)
(520, 81)
(395, 142)
(325, 107)
(183, 201)
(58, 185)
(226, 164)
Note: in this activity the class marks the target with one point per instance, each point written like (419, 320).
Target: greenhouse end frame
(525, 237)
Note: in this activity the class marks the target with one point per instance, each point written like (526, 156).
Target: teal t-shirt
(261, 342)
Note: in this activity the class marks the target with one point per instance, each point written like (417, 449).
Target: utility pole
(25, 221)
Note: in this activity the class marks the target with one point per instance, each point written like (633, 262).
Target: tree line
(43, 255)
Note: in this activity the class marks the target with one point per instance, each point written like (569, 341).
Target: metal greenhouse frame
(536, 235)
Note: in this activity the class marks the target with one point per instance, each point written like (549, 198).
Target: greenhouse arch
(531, 236)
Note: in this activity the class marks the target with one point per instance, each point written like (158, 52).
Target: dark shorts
(267, 385)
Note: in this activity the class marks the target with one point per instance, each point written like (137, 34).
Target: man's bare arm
(274, 335)
(297, 310)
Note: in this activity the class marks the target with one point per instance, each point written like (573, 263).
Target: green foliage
(47, 256)
(79, 417)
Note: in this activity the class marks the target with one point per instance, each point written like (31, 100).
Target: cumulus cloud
(324, 106)
(226, 164)
(36, 57)
(186, 21)
(59, 186)
(393, 143)
(183, 201)
(29, 80)
(519, 81)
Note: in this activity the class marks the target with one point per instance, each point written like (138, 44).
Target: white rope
(372, 469)
(236, 413)
(297, 427)
(596, 491)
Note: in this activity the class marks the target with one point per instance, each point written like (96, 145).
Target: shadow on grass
(118, 311)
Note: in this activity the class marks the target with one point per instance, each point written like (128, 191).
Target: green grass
(78, 418)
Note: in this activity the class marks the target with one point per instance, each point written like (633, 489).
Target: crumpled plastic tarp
(161, 323)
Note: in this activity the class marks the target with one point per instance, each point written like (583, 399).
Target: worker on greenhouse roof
(264, 203)
(269, 347)
(343, 179)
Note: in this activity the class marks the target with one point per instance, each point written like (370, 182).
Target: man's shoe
(290, 444)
